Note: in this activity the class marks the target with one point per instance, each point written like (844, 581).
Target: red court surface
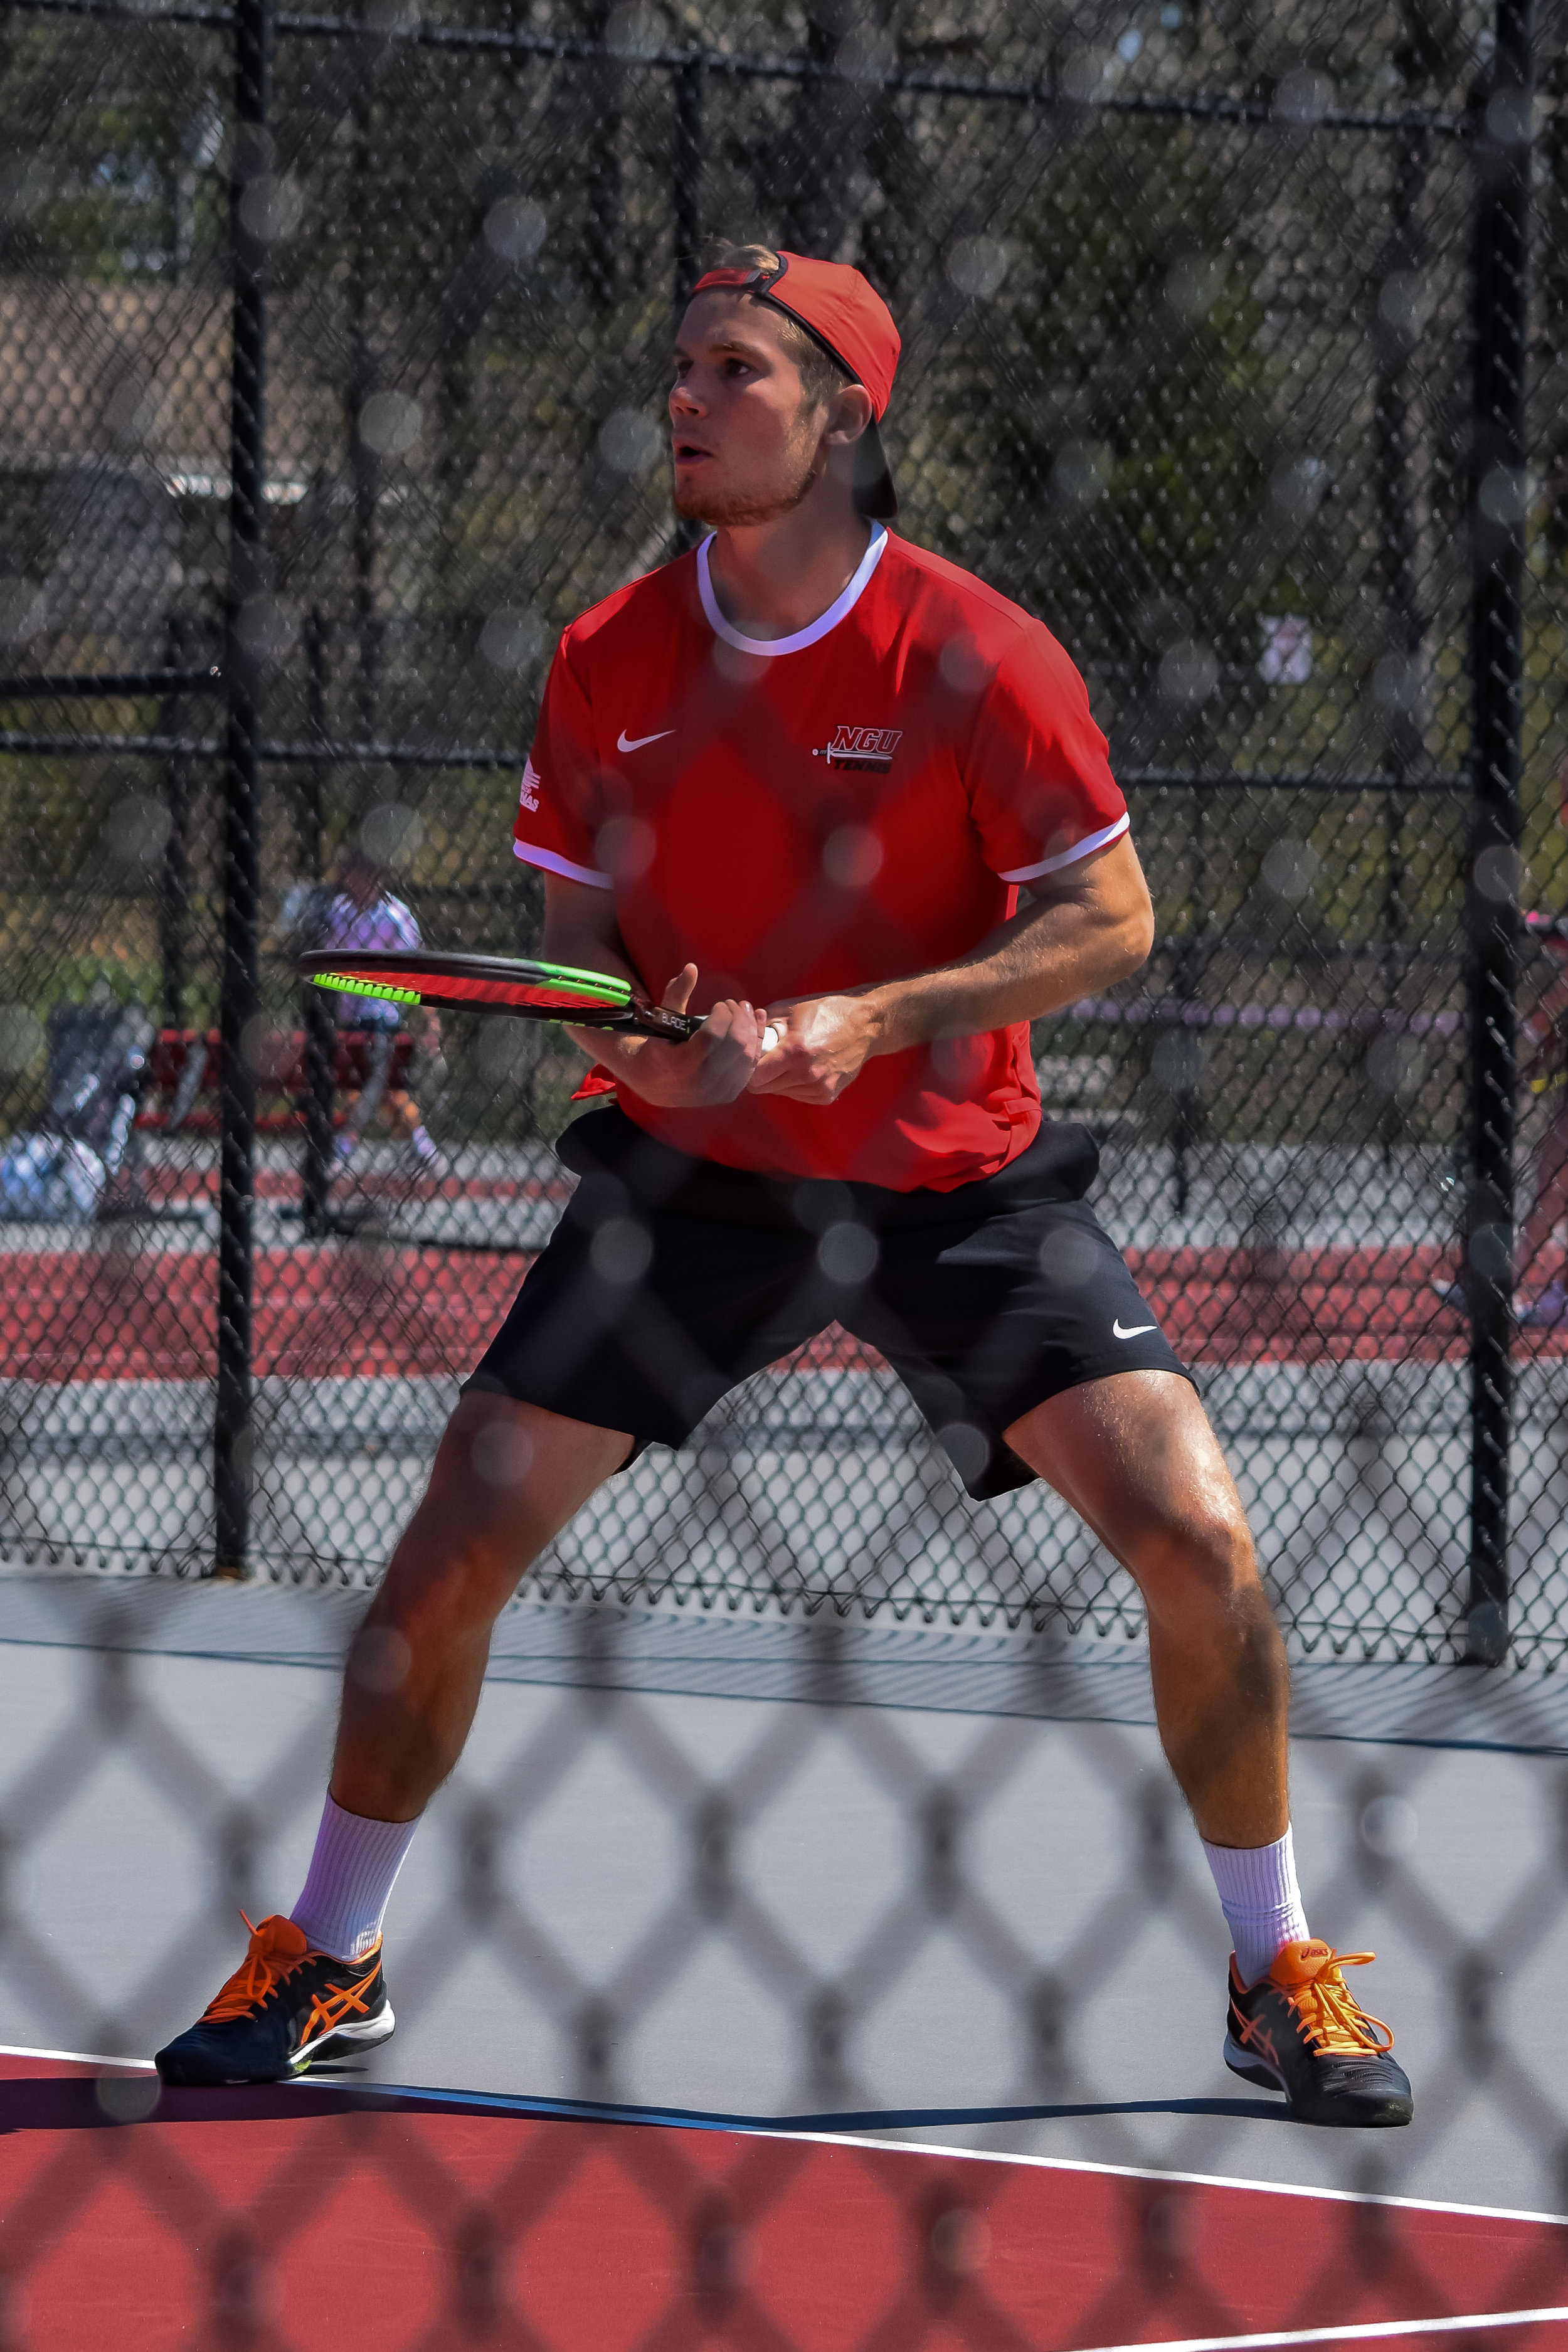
(323, 2219)
(405, 1309)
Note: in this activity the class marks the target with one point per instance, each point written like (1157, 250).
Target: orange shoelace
(262, 1968)
(1336, 2025)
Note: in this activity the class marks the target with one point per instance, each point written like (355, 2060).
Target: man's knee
(456, 1564)
(1199, 1557)
(506, 1478)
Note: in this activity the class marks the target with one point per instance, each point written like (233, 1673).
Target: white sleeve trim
(1085, 848)
(563, 865)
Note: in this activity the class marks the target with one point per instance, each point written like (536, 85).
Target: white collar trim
(767, 646)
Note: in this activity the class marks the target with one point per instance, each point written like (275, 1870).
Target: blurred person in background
(1544, 1031)
(362, 912)
(1543, 1067)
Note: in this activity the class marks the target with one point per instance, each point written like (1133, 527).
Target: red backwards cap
(842, 311)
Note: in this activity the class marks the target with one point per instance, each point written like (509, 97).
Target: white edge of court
(1371, 2327)
(76, 2057)
(573, 2111)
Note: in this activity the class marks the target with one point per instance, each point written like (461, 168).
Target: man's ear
(857, 463)
(848, 415)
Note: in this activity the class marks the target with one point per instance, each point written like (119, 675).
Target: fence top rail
(1287, 780)
(70, 685)
(196, 747)
(1043, 93)
(416, 755)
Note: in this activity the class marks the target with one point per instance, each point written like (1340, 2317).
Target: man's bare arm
(1084, 928)
(580, 929)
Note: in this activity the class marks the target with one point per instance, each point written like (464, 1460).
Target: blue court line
(924, 1671)
(830, 2125)
(850, 2131)
(843, 2130)
(675, 1679)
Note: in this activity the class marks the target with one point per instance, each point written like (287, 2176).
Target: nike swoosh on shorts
(1138, 1329)
(625, 742)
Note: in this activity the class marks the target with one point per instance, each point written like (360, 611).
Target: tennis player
(363, 913)
(812, 775)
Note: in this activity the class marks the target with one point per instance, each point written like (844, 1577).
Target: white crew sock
(352, 1875)
(1260, 1899)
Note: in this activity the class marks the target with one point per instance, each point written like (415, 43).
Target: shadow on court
(328, 2216)
(110, 2102)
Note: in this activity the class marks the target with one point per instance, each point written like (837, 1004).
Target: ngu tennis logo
(861, 747)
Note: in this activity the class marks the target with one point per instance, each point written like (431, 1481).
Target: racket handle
(648, 1020)
(655, 1021)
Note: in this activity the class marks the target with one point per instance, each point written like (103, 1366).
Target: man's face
(746, 443)
(361, 884)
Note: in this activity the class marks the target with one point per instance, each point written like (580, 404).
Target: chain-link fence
(334, 352)
(693, 1979)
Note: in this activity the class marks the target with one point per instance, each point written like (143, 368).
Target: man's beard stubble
(735, 510)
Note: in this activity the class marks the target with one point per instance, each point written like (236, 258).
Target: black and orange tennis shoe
(284, 2008)
(1301, 2029)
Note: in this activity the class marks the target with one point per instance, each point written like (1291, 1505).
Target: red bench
(183, 1065)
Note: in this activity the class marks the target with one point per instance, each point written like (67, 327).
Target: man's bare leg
(505, 1479)
(1136, 1458)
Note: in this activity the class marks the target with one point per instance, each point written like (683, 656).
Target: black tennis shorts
(669, 1279)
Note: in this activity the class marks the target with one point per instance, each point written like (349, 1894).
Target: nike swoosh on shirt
(1138, 1328)
(625, 742)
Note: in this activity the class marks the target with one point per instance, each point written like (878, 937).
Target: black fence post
(365, 465)
(320, 1028)
(1498, 504)
(240, 989)
(689, 88)
(606, 182)
(175, 878)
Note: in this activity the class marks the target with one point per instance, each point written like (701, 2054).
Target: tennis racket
(480, 983)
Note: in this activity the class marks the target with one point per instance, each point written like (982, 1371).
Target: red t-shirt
(853, 804)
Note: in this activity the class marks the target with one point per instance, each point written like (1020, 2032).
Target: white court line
(573, 2110)
(1148, 2172)
(670, 2119)
(1379, 2327)
(75, 2057)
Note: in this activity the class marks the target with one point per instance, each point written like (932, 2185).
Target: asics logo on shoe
(625, 742)
(1133, 1332)
(1253, 2036)
(340, 2002)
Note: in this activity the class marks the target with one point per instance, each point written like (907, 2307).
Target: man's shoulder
(1011, 643)
(916, 571)
(666, 589)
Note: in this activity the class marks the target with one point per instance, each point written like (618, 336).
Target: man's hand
(823, 1042)
(711, 1067)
